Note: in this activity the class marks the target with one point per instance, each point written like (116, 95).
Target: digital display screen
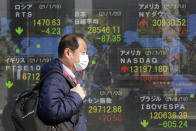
(141, 74)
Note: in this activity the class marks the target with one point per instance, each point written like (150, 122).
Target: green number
(136, 69)
(47, 21)
(118, 39)
(108, 109)
(185, 124)
(115, 109)
(183, 22)
(108, 38)
(39, 22)
(94, 30)
(33, 76)
(160, 68)
(100, 109)
(103, 38)
(54, 22)
(114, 29)
(37, 76)
(103, 29)
(48, 31)
(159, 22)
(144, 68)
(118, 29)
(89, 30)
(98, 29)
(154, 23)
(119, 109)
(113, 38)
(95, 109)
(53, 31)
(34, 22)
(90, 109)
(179, 23)
(58, 31)
(58, 22)
(165, 124)
(107, 29)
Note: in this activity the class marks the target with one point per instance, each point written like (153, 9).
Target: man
(58, 102)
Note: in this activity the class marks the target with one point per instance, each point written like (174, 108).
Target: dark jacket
(56, 103)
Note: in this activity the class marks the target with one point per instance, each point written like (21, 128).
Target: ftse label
(25, 68)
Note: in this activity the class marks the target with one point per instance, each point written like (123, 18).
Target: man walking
(58, 102)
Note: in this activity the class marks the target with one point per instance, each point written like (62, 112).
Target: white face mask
(83, 63)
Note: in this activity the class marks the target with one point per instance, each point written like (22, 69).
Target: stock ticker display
(142, 70)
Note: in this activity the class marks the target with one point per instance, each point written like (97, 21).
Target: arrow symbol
(176, 57)
(9, 84)
(144, 123)
(99, 118)
(124, 69)
(19, 30)
(192, 96)
(136, 78)
(143, 22)
(159, 31)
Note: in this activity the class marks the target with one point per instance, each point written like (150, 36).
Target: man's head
(72, 52)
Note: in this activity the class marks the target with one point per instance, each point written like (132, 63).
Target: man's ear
(67, 52)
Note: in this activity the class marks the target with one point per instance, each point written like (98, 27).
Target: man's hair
(68, 41)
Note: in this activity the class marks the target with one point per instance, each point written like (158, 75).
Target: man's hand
(79, 89)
